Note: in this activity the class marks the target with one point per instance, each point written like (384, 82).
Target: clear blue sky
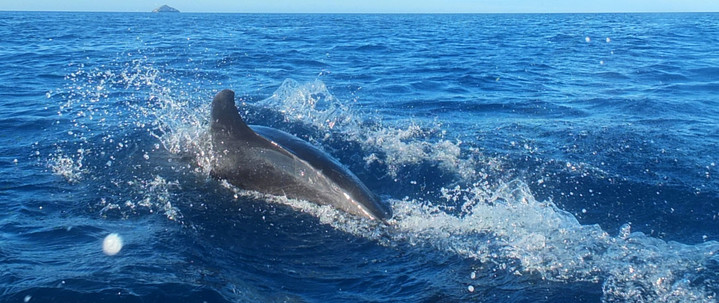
(370, 6)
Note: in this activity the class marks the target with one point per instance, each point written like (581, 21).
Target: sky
(369, 6)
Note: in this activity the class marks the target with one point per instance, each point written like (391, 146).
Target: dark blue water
(527, 158)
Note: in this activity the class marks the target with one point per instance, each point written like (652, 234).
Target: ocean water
(527, 158)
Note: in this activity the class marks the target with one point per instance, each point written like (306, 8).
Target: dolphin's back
(328, 165)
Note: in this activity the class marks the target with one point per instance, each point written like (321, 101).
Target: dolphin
(274, 162)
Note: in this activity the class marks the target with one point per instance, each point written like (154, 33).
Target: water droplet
(112, 244)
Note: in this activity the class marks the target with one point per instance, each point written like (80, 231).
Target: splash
(70, 167)
(394, 147)
(311, 103)
(507, 226)
(111, 114)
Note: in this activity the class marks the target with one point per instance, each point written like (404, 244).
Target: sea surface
(526, 158)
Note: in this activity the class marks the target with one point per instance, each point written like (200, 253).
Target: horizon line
(361, 13)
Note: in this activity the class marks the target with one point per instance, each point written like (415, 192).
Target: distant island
(165, 9)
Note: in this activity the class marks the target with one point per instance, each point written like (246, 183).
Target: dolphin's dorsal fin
(227, 127)
(226, 118)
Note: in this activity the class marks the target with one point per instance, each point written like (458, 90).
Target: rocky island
(165, 9)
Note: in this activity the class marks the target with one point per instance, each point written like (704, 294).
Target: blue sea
(526, 157)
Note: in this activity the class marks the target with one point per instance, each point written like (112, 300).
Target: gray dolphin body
(271, 161)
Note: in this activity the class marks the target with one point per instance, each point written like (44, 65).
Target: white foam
(507, 222)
